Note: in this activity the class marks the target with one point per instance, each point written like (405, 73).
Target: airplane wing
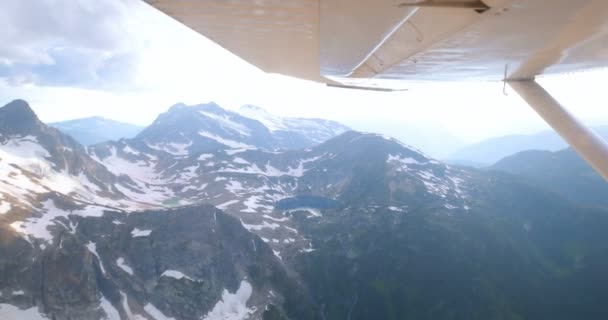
(353, 41)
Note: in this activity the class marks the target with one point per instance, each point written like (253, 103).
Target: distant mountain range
(285, 133)
(88, 131)
(564, 172)
(208, 214)
(489, 151)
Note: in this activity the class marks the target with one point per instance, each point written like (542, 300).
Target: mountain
(186, 129)
(190, 129)
(564, 172)
(37, 160)
(88, 131)
(489, 151)
(249, 183)
(80, 242)
(361, 226)
(517, 253)
(295, 133)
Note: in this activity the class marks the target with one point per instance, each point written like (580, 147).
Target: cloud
(66, 43)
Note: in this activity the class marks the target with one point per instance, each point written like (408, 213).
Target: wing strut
(592, 147)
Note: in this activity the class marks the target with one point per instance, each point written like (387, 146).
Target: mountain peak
(363, 141)
(18, 108)
(18, 118)
(250, 107)
(177, 106)
(211, 105)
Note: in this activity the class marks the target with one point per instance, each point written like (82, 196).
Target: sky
(126, 61)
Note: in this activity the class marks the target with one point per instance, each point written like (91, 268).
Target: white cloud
(82, 43)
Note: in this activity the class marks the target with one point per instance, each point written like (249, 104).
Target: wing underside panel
(352, 41)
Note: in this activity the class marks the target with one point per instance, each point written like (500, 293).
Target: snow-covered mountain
(204, 215)
(250, 183)
(75, 229)
(55, 193)
(36, 160)
(295, 133)
(190, 129)
(92, 130)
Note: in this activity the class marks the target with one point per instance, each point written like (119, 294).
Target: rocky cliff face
(187, 263)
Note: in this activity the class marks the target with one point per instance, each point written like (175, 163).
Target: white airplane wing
(348, 41)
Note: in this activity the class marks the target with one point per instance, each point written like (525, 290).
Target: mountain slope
(518, 253)
(250, 183)
(36, 159)
(488, 152)
(186, 130)
(88, 131)
(564, 172)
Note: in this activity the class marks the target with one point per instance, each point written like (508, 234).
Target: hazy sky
(126, 61)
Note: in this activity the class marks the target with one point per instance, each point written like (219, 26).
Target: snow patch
(234, 186)
(276, 219)
(120, 262)
(5, 207)
(92, 246)
(127, 308)
(9, 312)
(252, 205)
(235, 151)
(233, 306)
(155, 313)
(205, 156)
(401, 162)
(226, 204)
(108, 308)
(268, 170)
(229, 143)
(278, 254)
(140, 170)
(258, 227)
(313, 213)
(37, 227)
(135, 233)
(226, 122)
(176, 149)
(240, 160)
(175, 274)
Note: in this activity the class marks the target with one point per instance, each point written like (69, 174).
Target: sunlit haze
(128, 62)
